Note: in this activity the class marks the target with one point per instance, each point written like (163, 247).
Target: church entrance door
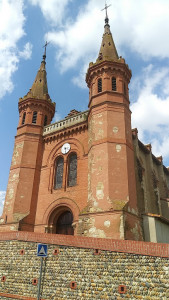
(64, 223)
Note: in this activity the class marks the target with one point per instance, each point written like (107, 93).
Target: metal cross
(105, 8)
(44, 56)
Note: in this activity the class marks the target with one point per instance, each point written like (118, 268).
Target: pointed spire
(39, 89)
(108, 49)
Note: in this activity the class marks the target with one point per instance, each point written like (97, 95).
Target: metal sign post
(42, 250)
(40, 278)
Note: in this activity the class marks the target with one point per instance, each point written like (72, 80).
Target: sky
(74, 30)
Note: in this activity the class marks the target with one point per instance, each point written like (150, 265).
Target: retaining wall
(82, 268)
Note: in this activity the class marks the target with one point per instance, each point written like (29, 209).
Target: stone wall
(82, 268)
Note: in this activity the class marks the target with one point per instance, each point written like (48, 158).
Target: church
(88, 174)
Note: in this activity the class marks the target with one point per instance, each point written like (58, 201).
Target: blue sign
(42, 250)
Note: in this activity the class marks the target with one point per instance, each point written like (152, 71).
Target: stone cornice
(106, 66)
(24, 104)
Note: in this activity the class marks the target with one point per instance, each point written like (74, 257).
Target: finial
(105, 8)
(44, 55)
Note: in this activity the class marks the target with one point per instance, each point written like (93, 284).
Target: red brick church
(87, 174)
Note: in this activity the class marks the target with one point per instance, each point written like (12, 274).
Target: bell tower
(35, 111)
(112, 203)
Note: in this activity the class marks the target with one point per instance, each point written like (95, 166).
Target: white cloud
(79, 80)
(11, 23)
(53, 10)
(11, 31)
(27, 51)
(150, 113)
(2, 199)
(77, 43)
(141, 26)
(57, 117)
(8, 65)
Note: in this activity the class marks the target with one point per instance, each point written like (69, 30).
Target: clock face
(65, 148)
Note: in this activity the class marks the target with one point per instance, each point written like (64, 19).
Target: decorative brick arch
(57, 207)
(76, 147)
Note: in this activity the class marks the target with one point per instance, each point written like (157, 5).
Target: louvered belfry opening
(34, 118)
(45, 120)
(24, 117)
(114, 84)
(64, 223)
(99, 85)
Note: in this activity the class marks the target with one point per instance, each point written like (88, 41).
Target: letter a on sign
(42, 250)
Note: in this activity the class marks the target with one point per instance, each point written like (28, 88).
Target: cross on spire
(105, 8)
(44, 55)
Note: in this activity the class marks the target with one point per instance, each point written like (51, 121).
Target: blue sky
(74, 29)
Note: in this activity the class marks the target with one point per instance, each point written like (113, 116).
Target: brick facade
(121, 188)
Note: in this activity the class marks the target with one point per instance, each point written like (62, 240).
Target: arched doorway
(61, 221)
(64, 223)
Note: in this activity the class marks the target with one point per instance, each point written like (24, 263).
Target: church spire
(39, 89)
(108, 49)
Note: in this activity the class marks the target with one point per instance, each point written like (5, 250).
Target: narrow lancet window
(45, 120)
(59, 173)
(24, 117)
(114, 87)
(72, 175)
(34, 118)
(99, 85)
(125, 92)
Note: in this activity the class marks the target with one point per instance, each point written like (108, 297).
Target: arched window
(24, 117)
(45, 120)
(99, 83)
(72, 171)
(59, 173)
(64, 223)
(34, 118)
(114, 84)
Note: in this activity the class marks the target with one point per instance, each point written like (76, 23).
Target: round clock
(65, 148)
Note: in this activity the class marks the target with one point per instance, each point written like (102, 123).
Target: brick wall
(82, 268)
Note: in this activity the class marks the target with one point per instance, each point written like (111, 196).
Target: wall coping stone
(65, 123)
(11, 296)
(124, 246)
